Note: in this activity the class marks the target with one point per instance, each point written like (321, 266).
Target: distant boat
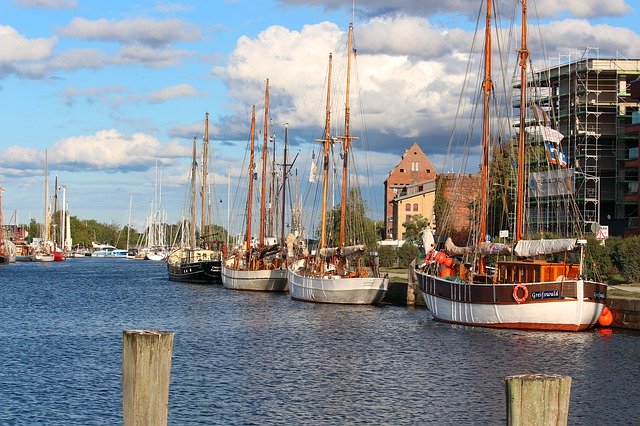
(193, 262)
(44, 247)
(329, 276)
(260, 268)
(102, 250)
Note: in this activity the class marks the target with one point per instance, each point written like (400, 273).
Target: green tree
(406, 254)
(359, 228)
(413, 229)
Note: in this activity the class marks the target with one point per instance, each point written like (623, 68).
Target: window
(415, 207)
(420, 188)
(408, 218)
(407, 207)
(415, 166)
(401, 170)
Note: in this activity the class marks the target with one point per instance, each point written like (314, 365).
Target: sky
(112, 89)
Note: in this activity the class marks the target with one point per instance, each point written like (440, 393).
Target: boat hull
(331, 289)
(564, 306)
(199, 266)
(259, 280)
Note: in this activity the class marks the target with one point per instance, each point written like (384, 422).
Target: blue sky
(109, 87)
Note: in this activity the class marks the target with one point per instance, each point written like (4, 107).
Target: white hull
(332, 289)
(259, 280)
(559, 313)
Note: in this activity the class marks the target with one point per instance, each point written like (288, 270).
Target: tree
(359, 228)
(413, 229)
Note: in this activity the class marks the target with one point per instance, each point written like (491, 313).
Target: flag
(539, 114)
(545, 132)
(554, 156)
(313, 173)
(255, 175)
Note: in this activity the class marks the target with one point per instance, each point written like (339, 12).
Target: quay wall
(626, 312)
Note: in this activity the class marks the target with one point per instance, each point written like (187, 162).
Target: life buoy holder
(525, 293)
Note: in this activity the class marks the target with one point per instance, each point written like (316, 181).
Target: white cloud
(48, 4)
(173, 92)
(17, 48)
(132, 31)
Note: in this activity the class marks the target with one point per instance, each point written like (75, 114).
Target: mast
(345, 163)
(284, 183)
(265, 148)
(47, 219)
(192, 209)
(325, 169)
(252, 135)
(203, 190)
(486, 108)
(524, 56)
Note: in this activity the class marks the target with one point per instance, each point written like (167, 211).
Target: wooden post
(538, 399)
(146, 367)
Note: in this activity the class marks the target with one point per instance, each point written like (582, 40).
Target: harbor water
(256, 358)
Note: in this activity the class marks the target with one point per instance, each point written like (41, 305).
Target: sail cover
(346, 251)
(485, 248)
(527, 248)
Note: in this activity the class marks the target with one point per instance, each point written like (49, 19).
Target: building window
(420, 188)
(408, 218)
(428, 170)
(407, 207)
(401, 170)
(415, 166)
(415, 207)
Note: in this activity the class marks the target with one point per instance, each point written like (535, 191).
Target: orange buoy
(440, 257)
(606, 317)
(448, 262)
(446, 272)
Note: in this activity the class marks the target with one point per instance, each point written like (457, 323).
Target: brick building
(414, 167)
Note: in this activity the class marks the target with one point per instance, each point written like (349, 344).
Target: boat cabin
(531, 271)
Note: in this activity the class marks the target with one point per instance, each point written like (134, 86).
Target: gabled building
(414, 167)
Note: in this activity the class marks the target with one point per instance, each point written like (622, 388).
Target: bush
(388, 256)
(406, 254)
(599, 262)
(629, 252)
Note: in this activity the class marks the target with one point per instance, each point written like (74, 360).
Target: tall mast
(265, 148)
(284, 182)
(524, 56)
(486, 107)
(345, 163)
(47, 219)
(325, 170)
(192, 209)
(252, 135)
(203, 190)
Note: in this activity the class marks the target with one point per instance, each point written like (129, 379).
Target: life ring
(525, 293)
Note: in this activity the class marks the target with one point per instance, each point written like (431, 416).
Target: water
(252, 358)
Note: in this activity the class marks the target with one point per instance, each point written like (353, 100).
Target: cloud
(48, 4)
(148, 32)
(545, 8)
(106, 150)
(17, 48)
(173, 92)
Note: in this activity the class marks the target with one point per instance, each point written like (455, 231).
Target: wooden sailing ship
(331, 276)
(260, 268)
(194, 261)
(537, 284)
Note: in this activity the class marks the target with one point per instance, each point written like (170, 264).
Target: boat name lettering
(545, 294)
(599, 295)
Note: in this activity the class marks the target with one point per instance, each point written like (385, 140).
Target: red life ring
(525, 293)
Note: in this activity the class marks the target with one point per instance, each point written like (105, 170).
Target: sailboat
(539, 284)
(44, 247)
(193, 262)
(7, 247)
(258, 268)
(329, 276)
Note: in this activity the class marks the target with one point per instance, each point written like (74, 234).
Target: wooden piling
(146, 367)
(538, 399)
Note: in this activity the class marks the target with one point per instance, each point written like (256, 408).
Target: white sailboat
(528, 289)
(260, 268)
(328, 277)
